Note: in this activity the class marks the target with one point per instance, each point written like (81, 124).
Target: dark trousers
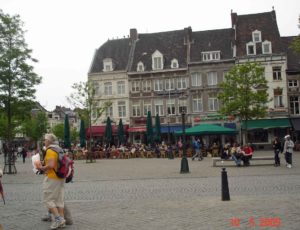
(276, 157)
(246, 160)
(288, 157)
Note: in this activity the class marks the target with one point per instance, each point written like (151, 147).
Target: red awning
(100, 130)
(137, 129)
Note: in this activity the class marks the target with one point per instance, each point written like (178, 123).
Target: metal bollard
(225, 189)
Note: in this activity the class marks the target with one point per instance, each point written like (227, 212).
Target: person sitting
(226, 152)
(236, 154)
(247, 154)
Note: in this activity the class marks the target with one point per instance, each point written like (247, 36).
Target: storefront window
(258, 136)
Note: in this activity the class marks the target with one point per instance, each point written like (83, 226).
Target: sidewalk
(151, 194)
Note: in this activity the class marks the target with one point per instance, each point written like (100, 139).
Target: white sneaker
(289, 166)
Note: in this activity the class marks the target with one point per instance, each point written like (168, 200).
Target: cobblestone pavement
(151, 194)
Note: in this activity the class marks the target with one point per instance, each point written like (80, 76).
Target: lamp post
(184, 162)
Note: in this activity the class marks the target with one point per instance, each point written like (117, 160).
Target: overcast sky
(64, 34)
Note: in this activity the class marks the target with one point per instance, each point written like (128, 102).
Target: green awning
(267, 124)
(204, 129)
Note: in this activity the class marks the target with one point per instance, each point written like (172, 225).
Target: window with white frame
(140, 67)
(107, 88)
(278, 101)
(109, 111)
(212, 78)
(197, 103)
(294, 105)
(135, 86)
(196, 79)
(170, 106)
(157, 60)
(121, 87)
(182, 106)
(213, 103)
(211, 56)
(96, 88)
(256, 36)
(147, 85)
(277, 73)
(147, 107)
(174, 63)
(293, 83)
(159, 107)
(267, 47)
(107, 65)
(136, 109)
(122, 108)
(170, 84)
(251, 48)
(158, 85)
(181, 83)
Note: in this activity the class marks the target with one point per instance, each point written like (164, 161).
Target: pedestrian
(197, 147)
(277, 146)
(53, 186)
(288, 150)
(1, 188)
(24, 154)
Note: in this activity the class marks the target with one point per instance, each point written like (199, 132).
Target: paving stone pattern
(151, 194)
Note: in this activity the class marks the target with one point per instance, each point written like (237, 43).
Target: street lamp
(184, 162)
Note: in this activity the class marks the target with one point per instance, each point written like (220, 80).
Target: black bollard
(225, 189)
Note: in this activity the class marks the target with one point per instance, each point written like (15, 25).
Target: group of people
(237, 153)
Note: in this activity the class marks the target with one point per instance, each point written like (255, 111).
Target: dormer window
(157, 60)
(251, 49)
(267, 47)
(174, 63)
(107, 65)
(140, 67)
(256, 36)
(211, 56)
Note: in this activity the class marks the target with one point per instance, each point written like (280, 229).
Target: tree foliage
(58, 131)
(244, 92)
(36, 126)
(85, 102)
(17, 76)
(296, 42)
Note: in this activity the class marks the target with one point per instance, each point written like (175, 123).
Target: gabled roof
(170, 44)
(212, 40)
(264, 22)
(293, 59)
(118, 50)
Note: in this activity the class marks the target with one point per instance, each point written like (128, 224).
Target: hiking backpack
(65, 166)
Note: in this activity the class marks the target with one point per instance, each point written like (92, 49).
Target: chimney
(233, 19)
(133, 34)
(188, 34)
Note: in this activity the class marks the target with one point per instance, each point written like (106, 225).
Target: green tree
(35, 127)
(58, 131)
(17, 77)
(74, 135)
(244, 93)
(296, 41)
(84, 100)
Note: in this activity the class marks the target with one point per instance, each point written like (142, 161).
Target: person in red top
(247, 154)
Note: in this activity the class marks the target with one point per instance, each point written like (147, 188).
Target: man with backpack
(53, 186)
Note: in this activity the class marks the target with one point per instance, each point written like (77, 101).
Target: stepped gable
(118, 50)
(212, 40)
(293, 59)
(170, 44)
(264, 22)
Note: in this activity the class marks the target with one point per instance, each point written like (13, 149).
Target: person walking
(53, 186)
(277, 149)
(197, 146)
(288, 150)
(24, 154)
